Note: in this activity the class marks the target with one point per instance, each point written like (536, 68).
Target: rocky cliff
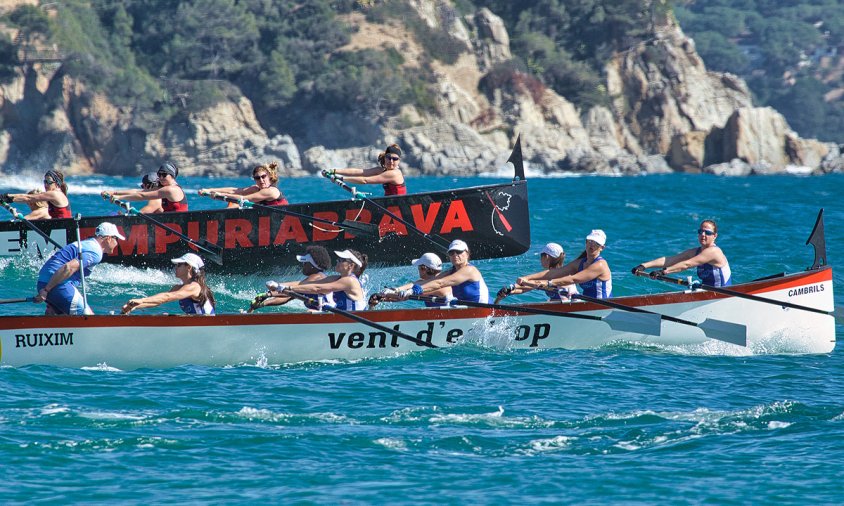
(667, 113)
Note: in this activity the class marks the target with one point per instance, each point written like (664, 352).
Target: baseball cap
(598, 236)
(429, 260)
(308, 259)
(349, 256)
(191, 259)
(458, 245)
(106, 229)
(553, 250)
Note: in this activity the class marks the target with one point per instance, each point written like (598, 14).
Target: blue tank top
(473, 291)
(714, 276)
(190, 306)
(342, 301)
(92, 254)
(595, 288)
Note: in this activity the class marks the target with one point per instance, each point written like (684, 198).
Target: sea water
(478, 423)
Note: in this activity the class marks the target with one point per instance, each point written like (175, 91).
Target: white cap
(429, 260)
(458, 245)
(553, 250)
(349, 256)
(106, 229)
(598, 236)
(191, 259)
(308, 259)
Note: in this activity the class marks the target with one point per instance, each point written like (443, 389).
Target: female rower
(38, 210)
(265, 190)
(54, 194)
(465, 279)
(193, 294)
(592, 272)
(713, 269)
(429, 266)
(315, 262)
(346, 287)
(173, 198)
(552, 258)
(387, 174)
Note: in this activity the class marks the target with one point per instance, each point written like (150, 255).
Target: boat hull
(155, 341)
(493, 219)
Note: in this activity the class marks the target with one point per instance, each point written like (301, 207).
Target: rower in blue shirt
(465, 279)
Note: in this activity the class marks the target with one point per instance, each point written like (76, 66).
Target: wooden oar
(433, 238)
(29, 224)
(725, 291)
(733, 333)
(356, 227)
(359, 319)
(617, 320)
(13, 301)
(214, 252)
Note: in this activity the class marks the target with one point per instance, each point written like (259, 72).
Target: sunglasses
(262, 176)
(705, 232)
(162, 174)
(392, 158)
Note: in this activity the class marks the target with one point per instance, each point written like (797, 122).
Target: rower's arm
(63, 273)
(706, 256)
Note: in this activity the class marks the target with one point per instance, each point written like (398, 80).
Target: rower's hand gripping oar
(359, 319)
(732, 333)
(623, 322)
(696, 285)
(214, 252)
(29, 224)
(355, 227)
(338, 180)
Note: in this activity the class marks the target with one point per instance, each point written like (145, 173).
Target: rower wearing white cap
(193, 294)
(429, 266)
(465, 279)
(346, 288)
(591, 273)
(60, 276)
(552, 258)
(315, 262)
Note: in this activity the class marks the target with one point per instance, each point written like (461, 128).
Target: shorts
(65, 298)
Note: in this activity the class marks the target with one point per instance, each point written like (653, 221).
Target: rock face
(667, 113)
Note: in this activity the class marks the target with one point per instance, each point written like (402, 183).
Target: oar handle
(443, 301)
(12, 301)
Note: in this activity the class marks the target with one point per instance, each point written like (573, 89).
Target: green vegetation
(788, 52)
(167, 58)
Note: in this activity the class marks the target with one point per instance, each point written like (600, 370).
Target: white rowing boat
(805, 325)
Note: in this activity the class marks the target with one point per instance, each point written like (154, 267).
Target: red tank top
(169, 206)
(394, 189)
(58, 212)
(280, 201)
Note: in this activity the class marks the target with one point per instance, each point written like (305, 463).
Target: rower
(466, 281)
(552, 258)
(315, 262)
(173, 198)
(346, 288)
(54, 195)
(591, 273)
(265, 190)
(387, 174)
(193, 294)
(713, 269)
(429, 266)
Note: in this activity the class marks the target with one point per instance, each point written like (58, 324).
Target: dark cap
(149, 178)
(169, 168)
(393, 149)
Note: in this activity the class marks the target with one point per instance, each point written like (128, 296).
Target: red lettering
(87, 232)
(456, 217)
(324, 231)
(422, 221)
(137, 241)
(237, 233)
(360, 215)
(263, 230)
(389, 224)
(193, 233)
(164, 237)
(212, 231)
(291, 228)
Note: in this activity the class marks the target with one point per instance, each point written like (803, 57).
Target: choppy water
(473, 424)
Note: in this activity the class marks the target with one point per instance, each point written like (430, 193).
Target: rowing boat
(139, 341)
(493, 219)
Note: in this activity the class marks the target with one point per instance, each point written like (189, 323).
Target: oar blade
(212, 251)
(360, 228)
(636, 323)
(733, 333)
(839, 315)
